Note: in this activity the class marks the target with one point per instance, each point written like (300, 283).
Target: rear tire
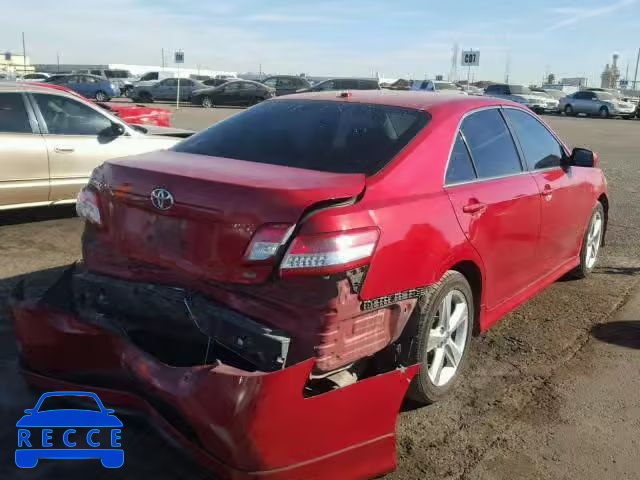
(591, 243)
(604, 112)
(442, 340)
(568, 110)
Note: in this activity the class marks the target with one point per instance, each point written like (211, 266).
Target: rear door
(566, 203)
(497, 203)
(186, 87)
(230, 94)
(24, 166)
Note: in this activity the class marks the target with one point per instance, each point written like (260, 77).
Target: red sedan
(279, 278)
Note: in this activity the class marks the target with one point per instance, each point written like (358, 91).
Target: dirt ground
(551, 391)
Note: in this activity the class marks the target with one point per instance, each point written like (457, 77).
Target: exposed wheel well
(474, 276)
(605, 205)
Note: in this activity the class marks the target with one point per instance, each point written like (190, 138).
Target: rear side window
(460, 167)
(491, 144)
(540, 148)
(316, 135)
(13, 114)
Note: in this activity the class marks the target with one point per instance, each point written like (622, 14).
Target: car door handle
(64, 149)
(547, 192)
(474, 208)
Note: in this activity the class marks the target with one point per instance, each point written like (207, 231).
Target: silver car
(602, 104)
(51, 140)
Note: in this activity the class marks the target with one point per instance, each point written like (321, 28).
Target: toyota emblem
(161, 198)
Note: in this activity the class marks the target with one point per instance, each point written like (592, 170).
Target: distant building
(611, 74)
(12, 64)
(574, 81)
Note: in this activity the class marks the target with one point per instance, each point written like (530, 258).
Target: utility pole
(24, 56)
(58, 60)
(635, 77)
(163, 59)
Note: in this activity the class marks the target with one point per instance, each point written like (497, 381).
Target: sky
(396, 38)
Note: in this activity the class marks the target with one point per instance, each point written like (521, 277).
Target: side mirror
(582, 157)
(115, 130)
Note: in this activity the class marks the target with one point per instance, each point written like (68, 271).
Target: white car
(536, 101)
(436, 86)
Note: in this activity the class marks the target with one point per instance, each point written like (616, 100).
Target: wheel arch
(471, 271)
(604, 200)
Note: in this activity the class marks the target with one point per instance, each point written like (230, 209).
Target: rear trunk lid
(218, 204)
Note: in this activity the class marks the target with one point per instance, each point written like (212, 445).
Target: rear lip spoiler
(249, 425)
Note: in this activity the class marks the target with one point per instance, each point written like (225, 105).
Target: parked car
(548, 97)
(215, 82)
(89, 86)
(445, 88)
(51, 141)
(524, 96)
(304, 246)
(122, 78)
(600, 103)
(34, 77)
(343, 84)
(286, 84)
(232, 92)
(166, 89)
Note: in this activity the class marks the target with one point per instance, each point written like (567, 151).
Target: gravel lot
(513, 415)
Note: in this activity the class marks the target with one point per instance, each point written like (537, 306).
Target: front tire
(101, 96)
(443, 336)
(568, 110)
(206, 102)
(591, 243)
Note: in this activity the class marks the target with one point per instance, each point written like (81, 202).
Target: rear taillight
(88, 206)
(328, 253)
(267, 240)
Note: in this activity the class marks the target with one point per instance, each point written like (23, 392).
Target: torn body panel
(242, 424)
(322, 315)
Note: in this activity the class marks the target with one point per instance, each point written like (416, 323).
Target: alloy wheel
(101, 97)
(206, 102)
(447, 338)
(594, 239)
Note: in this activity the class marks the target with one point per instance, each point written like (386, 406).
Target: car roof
(406, 99)
(34, 88)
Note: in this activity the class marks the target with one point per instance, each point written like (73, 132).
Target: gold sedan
(51, 140)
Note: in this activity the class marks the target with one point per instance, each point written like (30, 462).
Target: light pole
(635, 77)
(24, 56)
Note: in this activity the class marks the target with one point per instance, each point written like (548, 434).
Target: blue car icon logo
(48, 431)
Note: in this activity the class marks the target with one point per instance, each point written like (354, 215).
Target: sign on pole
(178, 59)
(470, 58)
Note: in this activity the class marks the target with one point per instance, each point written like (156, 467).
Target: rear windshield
(328, 136)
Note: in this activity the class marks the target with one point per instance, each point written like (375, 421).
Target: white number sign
(470, 58)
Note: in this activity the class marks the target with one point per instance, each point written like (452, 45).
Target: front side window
(491, 144)
(460, 168)
(13, 114)
(326, 136)
(186, 83)
(540, 148)
(65, 116)
(271, 82)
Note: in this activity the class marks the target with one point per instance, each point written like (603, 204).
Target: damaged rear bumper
(241, 424)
